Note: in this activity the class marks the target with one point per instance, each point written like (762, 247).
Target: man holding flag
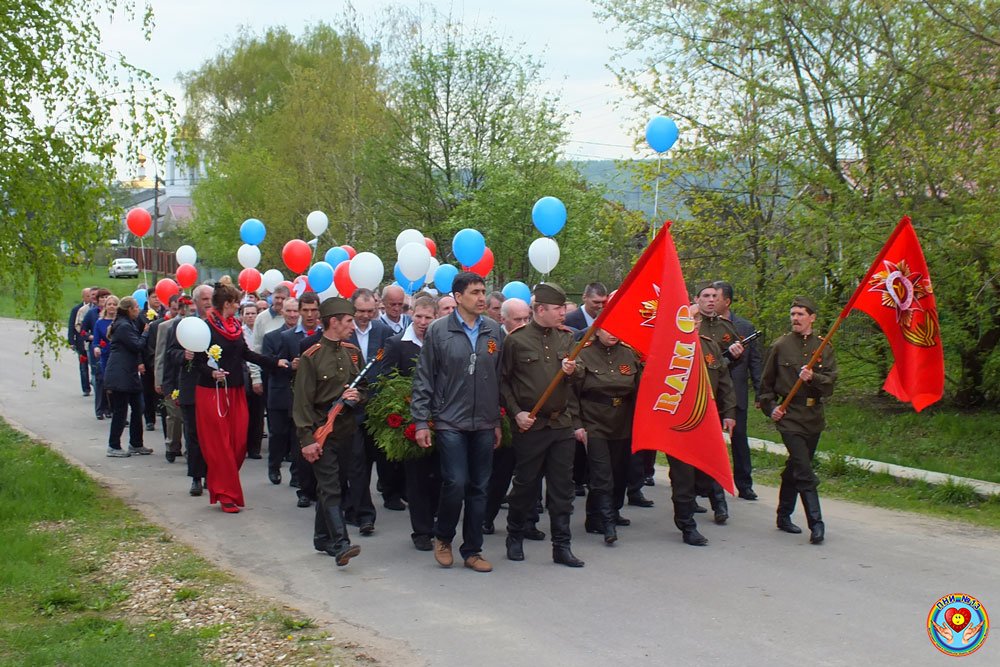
(800, 421)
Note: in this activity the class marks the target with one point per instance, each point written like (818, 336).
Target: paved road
(754, 597)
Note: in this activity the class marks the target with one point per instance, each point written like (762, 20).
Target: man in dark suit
(423, 474)
(76, 341)
(279, 395)
(747, 366)
(370, 335)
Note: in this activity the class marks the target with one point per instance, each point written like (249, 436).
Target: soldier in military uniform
(685, 479)
(544, 444)
(324, 372)
(602, 405)
(802, 422)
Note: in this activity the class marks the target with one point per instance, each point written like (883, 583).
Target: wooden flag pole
(812, 361)
(559, 376)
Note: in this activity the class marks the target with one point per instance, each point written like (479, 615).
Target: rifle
(320, 434)
(752, 337)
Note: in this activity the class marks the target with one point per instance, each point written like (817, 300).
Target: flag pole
(905, 220)
(559, 376)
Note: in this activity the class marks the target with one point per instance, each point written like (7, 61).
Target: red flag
(675, 410)
(898, 295)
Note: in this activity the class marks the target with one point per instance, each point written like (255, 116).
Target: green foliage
(809, 129)
(955, 492)
(69, 109)
(389, 419)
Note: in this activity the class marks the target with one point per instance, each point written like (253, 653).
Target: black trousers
(546, 452)
(195, 461)
(281, 438)
(391, 476)
(121, 402)
(638, 465)
(84, 371)
(504, 460)
(255, 421)
(683, 481)
(798, 470)
(359, 503)
(151, 400)
(741, 453)
(423, 492)
(609, 460)
(581, 465)
(325, 474)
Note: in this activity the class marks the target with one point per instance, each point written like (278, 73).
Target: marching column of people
(474, 359)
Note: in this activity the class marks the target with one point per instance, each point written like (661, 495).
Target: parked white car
(123, 267)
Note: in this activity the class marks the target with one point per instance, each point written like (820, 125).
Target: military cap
(805, 302)
(703, 285)
(549, 293)
(336, 305)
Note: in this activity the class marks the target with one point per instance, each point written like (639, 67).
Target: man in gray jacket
(457, 386)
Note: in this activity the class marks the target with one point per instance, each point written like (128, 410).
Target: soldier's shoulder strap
(349, 346)
(569, 330)
(312, 350)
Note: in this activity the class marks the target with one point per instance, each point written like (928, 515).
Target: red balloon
(300, 286)
(187, 275)
(484, 265)
(297, 255)
(165, 289)
(249, 280)
(351, 252)
(139, 221)
(429, 242)
(342, 280)
(288, 284)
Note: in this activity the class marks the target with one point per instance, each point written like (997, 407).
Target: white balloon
(543, 254)
(270, 279)
(193, 334)
(432, 266)
(317, 222)
(414, 259)
(249, 256)
(331, 292)
(409, 236)
(186, 255)
(431, 291)
(366, 270)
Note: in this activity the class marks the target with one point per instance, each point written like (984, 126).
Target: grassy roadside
(75, 279)
(86, 581)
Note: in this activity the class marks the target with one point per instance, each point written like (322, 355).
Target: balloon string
(656, 200)
(218, 403)
(142, 250)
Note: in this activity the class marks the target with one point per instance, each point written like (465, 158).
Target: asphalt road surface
(755, 596)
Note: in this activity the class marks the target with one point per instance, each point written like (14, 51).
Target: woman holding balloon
(220, 399)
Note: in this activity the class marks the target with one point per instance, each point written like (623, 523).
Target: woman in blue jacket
(122, 381)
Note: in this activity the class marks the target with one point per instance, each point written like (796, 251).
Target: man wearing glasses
(457, 387)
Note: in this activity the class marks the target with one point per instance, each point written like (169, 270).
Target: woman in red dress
(220, 399)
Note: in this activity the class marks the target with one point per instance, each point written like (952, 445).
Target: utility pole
(156, 224)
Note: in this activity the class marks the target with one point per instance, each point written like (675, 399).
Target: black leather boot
(321, 532)
(717, 497)
(817, 530)
(608, 520)
(593, 523)
(786, 505)
(684, 520)
(561, 536)
(339, 545)
(515, 535)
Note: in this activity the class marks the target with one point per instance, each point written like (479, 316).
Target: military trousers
(798, 470)
(683, 481)
(608, 461)
(327, 472)
(546, 452)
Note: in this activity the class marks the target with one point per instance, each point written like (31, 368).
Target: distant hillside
(618, 179)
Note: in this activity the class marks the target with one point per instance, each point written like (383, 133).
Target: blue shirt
(473, 331)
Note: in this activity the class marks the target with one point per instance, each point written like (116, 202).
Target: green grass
(942, 439)
(56, 528)
(75, 279)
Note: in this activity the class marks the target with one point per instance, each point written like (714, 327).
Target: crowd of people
(305, 368)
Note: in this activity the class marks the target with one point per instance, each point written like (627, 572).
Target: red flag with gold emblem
(897, 293)
(675, 411)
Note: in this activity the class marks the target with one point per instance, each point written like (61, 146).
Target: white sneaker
(118, 453)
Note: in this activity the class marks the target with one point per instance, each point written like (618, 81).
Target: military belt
(613, 401)
(802, 401)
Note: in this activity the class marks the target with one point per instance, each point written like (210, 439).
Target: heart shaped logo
(957, 618)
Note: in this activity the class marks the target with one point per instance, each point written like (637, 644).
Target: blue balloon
(517, 290)
(252, 231)
(141, 297)
(443, 277)
(409, 286)
(661, 133)
(549, 215)
(468, 247)
(320, 277)
(334, 256)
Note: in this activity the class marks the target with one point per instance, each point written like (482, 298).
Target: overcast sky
(562, 34)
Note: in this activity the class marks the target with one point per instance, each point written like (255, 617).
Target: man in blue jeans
(457, 386)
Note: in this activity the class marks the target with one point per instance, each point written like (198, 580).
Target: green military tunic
(718, 376)
(720, 330)
(532, 356)
(785, 359)
(324, 371)
(606, 391)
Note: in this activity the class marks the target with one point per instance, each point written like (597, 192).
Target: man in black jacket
(76, 341)
(280, 426)
(457, 386)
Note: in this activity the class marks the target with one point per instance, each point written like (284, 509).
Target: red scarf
(229, 328)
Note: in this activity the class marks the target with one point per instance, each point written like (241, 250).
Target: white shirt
(587, 318)
(395, 326)
(363, 339)
(411, 335)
